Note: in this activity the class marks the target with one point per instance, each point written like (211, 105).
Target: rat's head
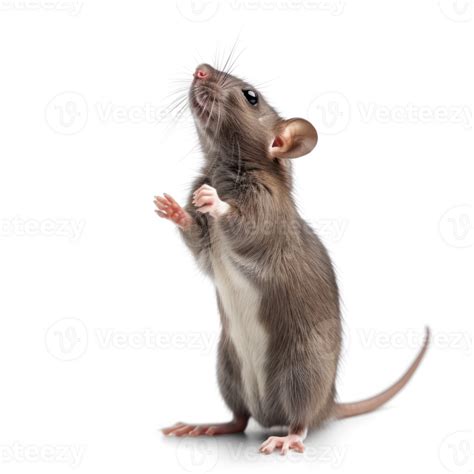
(231, 114)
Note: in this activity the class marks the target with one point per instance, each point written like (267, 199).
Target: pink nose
(201, 73)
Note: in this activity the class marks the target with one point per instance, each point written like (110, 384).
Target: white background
(108, 330)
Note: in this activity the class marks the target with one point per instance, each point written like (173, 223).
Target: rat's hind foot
(168, 208)
(284, 443)
(237, 425)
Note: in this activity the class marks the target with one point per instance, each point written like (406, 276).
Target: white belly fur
(241, 302)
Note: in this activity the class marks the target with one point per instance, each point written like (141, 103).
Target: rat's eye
(251, 96)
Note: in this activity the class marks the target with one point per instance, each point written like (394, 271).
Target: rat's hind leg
(293, 440)
(237, 425)
(228, 375)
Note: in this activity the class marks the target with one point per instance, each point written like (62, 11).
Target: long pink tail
(345, 410)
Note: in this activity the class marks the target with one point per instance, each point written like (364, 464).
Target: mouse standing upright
(276, 289)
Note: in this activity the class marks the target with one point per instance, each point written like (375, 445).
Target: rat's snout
(200, 74)
(205, 94)
(203, 72)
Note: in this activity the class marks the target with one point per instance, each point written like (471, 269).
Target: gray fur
(277, 251)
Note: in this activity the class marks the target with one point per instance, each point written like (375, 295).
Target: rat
(276, 288)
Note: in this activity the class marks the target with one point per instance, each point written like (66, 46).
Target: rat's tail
(345, 410)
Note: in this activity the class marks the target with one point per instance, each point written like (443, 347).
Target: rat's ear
(294, 138)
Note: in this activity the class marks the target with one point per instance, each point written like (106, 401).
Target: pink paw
(211, 429)
(168, 208)
(283, 443)
(207, 200)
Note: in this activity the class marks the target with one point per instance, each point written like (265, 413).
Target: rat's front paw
(207, 201)
(168, 208)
